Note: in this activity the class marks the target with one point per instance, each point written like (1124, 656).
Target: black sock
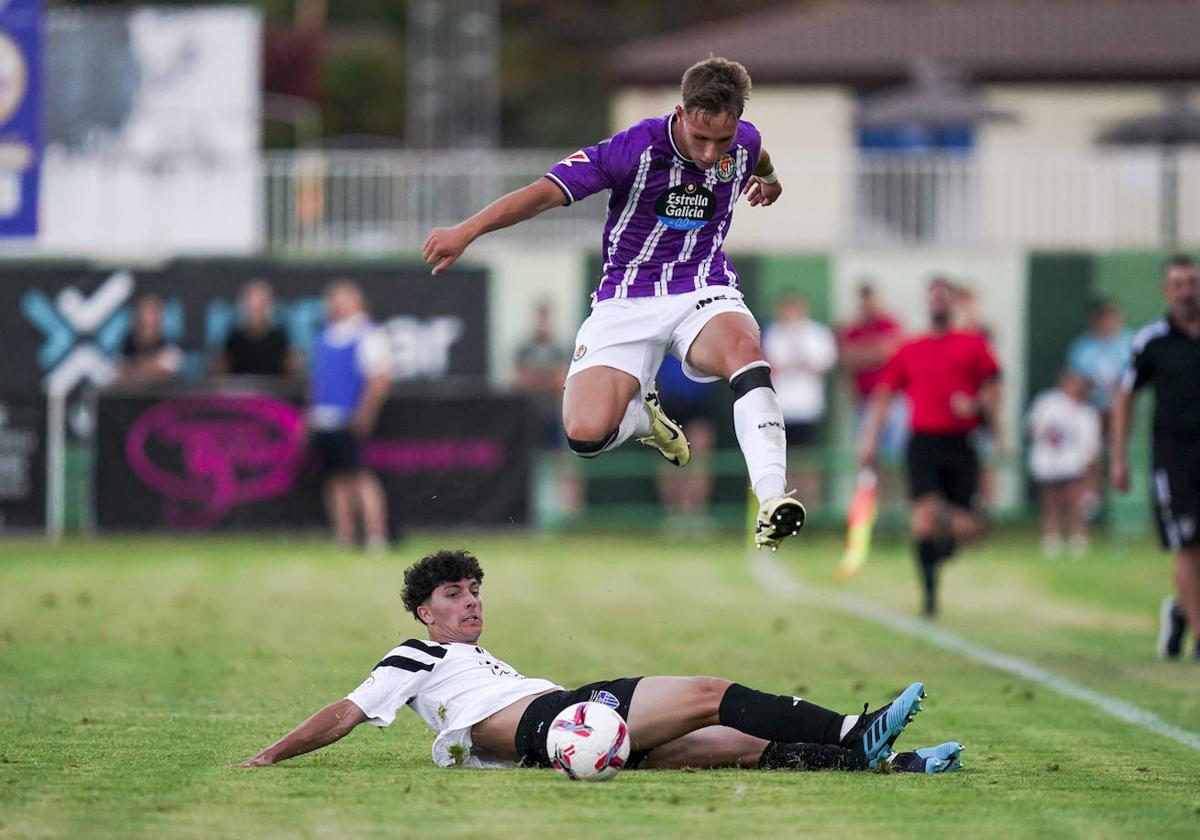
(927, 562)
(776, 717)
(780, 756)
(946, 547)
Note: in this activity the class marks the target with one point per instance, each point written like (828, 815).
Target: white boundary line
(771, 574)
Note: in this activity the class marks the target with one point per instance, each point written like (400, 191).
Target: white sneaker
(665, 434)
(778, 519)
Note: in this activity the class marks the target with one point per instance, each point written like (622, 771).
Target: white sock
(847, 724)
(635, 422)
(758, 421)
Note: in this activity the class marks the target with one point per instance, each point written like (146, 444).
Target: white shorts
(633, 334)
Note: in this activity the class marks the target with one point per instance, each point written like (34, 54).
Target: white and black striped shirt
(451, 686)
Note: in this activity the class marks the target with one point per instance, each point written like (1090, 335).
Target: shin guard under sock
(776, 717)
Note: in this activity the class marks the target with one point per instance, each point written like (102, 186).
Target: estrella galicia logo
(686, 206)
(605, 698)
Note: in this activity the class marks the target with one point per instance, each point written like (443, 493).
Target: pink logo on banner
(434, 455)
(207, 453)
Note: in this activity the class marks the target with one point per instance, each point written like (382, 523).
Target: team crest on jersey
(725, 169)
(578, 157)
(686, 206)
(579, 351)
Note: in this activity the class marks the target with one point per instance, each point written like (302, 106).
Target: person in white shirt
(487, 714)
(801, 352)
(1064, 432)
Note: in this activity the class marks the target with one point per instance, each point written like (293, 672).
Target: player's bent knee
(589, 448)
(758, 375)
(709, 691)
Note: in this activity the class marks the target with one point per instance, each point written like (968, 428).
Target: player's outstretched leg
(665, 434)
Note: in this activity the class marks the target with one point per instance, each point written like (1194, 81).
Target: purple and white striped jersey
(667, 218)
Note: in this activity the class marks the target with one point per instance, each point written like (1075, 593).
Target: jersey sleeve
(374, 355)
(895, 372)
(390, 685)
(598, 167)
(1140, 369)
(751, 138)
(986, 366)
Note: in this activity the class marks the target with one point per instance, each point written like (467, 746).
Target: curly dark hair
(431, 571)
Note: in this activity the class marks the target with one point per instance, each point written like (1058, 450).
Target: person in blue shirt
(1100, 356)
(350, 377)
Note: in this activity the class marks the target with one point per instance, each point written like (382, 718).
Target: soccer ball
(588, 742)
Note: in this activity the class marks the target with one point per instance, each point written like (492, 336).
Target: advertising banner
(22, 464)
(64, 324)
(20, 116)
(241, 460)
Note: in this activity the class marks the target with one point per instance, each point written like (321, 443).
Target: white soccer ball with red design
(588, 742)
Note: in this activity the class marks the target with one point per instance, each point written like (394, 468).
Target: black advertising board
(240, 460)
(64, 323)
(22, 463)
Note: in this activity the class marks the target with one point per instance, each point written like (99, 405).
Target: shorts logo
(703, 303)
(725, 169)
(579, 351)
(605, 698)
(686, 206)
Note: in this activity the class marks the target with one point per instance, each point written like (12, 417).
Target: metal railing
(379, 202)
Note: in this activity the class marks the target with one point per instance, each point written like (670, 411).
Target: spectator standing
(351, 374)
(686, 494)
(146, 355)
(542, 363)
(1064, 433)
(801, 351)
(256, 346)
(865, 345)
(1100, 355)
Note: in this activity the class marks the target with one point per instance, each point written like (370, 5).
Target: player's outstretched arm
(1122, 410)
(763, 187)
(330, 724)
(445, 245)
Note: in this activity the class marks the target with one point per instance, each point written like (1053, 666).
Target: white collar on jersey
(671, 140)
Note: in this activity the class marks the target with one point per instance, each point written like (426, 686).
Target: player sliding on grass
(486, 714)
(666, 283)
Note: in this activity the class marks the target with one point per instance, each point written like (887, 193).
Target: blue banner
(20, 115)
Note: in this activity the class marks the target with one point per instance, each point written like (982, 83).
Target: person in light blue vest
(350, 377)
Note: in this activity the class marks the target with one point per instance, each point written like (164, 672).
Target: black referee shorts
(338, 451)
(947, 465)
(535, 723)
(1175, 491)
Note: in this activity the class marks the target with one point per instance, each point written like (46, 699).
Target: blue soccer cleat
(940, 759)
(873, 734)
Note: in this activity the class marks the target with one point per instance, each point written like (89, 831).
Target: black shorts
(535, 723)
(1175, 492)
(338, 451)
(947, 465)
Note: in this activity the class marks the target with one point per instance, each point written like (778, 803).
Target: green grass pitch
(134, 672)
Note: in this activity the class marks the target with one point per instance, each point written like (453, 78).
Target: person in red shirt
(865, 345)
(952, 382)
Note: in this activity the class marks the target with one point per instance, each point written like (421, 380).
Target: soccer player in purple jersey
(666, 284)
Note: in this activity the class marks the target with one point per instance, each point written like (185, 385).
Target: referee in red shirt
(952, 382)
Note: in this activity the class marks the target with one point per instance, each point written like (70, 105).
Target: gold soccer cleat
(778, 519)
(665, 434)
